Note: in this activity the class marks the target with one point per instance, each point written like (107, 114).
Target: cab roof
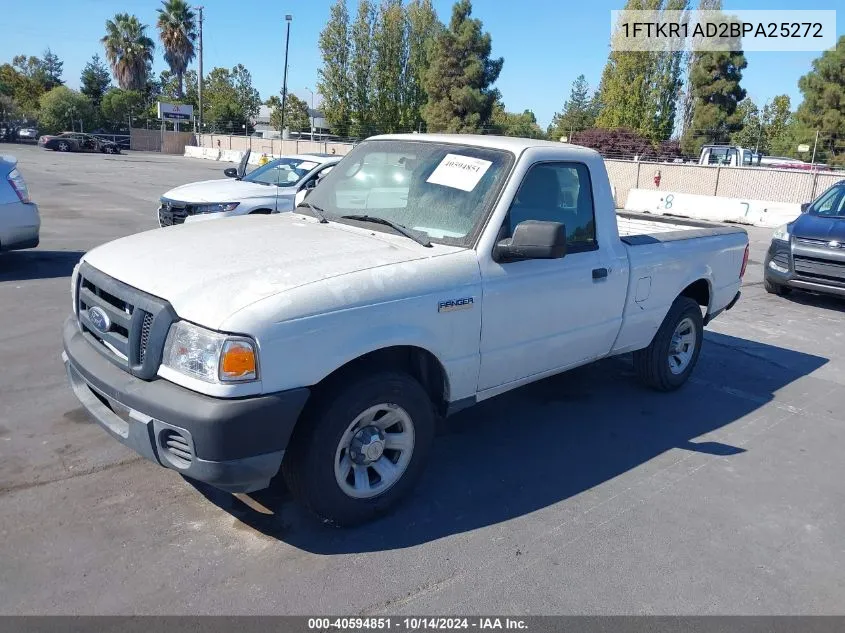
(510, 143)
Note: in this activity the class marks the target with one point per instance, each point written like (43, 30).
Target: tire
(776, 289)
(654, 366)
(63, 147)
(324, 445)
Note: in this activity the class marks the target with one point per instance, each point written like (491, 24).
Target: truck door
(544, 315)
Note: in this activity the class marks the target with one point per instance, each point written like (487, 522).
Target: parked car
(78, 142)
(271, 188)
(28, 134)
(809, 253)
(327, 341)
(20, 222)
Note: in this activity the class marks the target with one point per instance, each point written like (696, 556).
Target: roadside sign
(175, 111)
(803, 148)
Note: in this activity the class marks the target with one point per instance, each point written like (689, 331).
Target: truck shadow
(37, 264)
(545, 443)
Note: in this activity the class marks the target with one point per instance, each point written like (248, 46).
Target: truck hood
(210, 270)
(814, 227)
(225, 190)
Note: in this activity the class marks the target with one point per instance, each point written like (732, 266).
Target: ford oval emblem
(99, 319)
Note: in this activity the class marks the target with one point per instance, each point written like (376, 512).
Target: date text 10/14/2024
(415, 624)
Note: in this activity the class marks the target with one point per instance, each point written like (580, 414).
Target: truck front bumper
(236, 445)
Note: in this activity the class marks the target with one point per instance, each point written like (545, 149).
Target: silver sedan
(20, 222)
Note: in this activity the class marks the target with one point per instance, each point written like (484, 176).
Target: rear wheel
(776, 289)
(362, 448)
(666, 364)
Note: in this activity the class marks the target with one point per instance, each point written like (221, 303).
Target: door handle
(599, 273)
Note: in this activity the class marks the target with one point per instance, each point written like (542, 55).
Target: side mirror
(300, 196)
(311, 184)
(231, 172)
(805, 207)
(533, 239)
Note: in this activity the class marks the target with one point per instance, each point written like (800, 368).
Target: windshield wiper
(319, 212)
(419, 237)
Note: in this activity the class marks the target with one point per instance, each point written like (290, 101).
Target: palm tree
(129, 50)
(177, 28)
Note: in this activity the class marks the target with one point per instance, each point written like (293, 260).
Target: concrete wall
(274, 147)
(753, 183)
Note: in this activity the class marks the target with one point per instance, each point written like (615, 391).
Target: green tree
(333, 82)
(578, 112)
(391, 61)
(23, 90)
(626, 88)
(667, 84)
(65, 109)
(128, 50)
(169, 88)
(752, 128)
(297, 118)
(461, 75)
(95, 80)
(422, 30)
(52, 67)
(230, 100)
(118, 107)
(361, 67)
(512, 124)
(690, 61)
(823, 107)
(716, 93)
(177, 28)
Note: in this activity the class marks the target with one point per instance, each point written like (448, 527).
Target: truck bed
(636, 229)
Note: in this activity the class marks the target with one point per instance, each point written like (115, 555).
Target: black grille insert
(177, 446)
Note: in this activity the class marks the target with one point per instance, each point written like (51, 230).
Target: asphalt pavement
(581, 494)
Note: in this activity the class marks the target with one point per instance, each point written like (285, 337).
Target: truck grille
(832, 244)
(819, 269)
(124, 324)
(173, 212)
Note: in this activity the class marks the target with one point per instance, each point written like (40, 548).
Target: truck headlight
(781, 233)
(217, 207)
(209, 356)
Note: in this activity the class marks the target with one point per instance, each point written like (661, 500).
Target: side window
(829, 203)
(557, 192)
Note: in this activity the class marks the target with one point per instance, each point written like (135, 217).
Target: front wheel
(362, 448)
(63, 146)
(666, 364)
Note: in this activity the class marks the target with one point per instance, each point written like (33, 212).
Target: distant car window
(831, 203)
(283, 172)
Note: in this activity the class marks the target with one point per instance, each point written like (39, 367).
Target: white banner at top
(740, 30)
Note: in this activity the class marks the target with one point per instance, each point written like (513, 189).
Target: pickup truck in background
(426, 273)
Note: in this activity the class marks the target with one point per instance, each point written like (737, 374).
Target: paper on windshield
(306, 166)
(459, 172)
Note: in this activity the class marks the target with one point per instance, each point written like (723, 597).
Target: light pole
(288, 19)
(312, 112)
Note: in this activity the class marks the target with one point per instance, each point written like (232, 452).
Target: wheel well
(260, 212)
(416, 361)
(698, 291)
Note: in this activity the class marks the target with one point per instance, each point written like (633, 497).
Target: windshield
(441, 189)
(283, 172)
(831, 204)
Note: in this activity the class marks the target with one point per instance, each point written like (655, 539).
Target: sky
(546, 44)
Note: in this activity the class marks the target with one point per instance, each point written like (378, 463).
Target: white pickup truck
(425, 273)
